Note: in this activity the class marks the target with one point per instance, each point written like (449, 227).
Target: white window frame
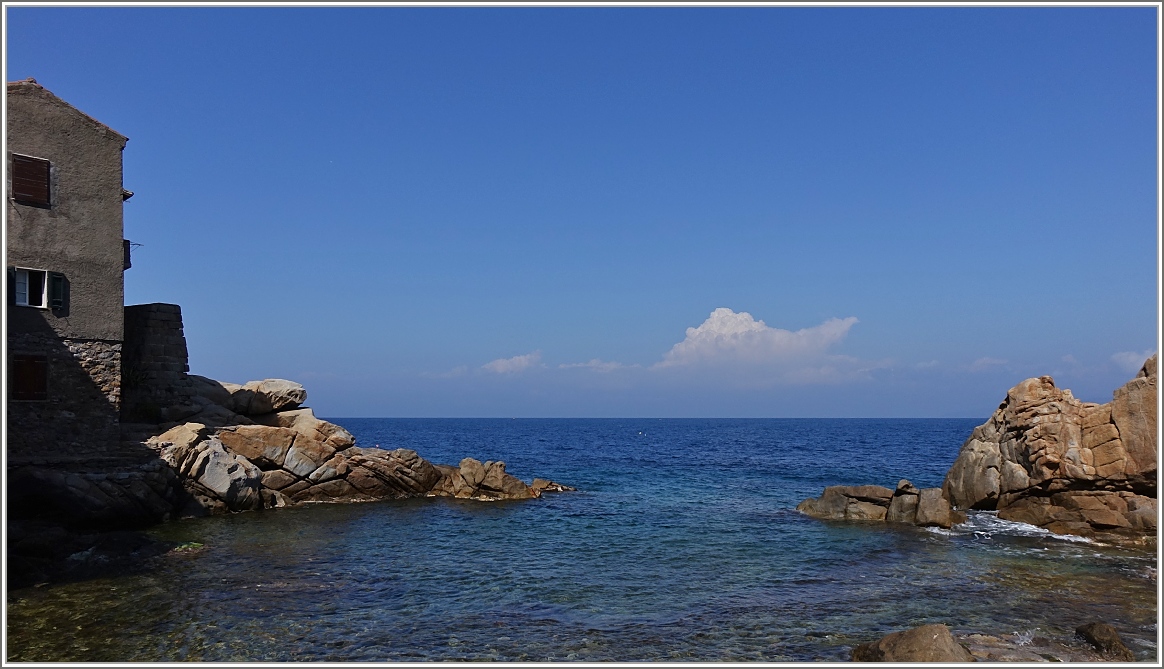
(23, 273)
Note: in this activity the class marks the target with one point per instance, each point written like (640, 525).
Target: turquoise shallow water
(681, 544)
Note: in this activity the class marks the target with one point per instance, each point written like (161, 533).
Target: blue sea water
(682, 543)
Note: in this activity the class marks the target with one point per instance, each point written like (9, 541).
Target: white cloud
(727, 336)
(595, 364)
(517, 363)
(1130, 361)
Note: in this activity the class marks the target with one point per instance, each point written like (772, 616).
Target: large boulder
(304, 422)
(864, 502)
(230, 478)
(265, 446)
(928, 643)
(1046, 458)
(1106, 640)
(266, 396)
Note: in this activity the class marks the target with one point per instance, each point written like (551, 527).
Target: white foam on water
(985, 525)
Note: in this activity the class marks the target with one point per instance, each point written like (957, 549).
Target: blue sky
(633, 211)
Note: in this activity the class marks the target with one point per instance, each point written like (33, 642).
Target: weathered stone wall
(155, 361)
(79, 420)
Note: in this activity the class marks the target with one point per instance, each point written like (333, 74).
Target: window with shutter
(56, 290)
(30, 180)
(36, 288)
(28, 377)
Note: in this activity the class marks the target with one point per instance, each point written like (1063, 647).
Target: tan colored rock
(1099, 434)
(867, 502)
(494, 476)
(933, 510)
(295, 488)
(401, 472)
(1014, 478)
(335, 467)
(973, 482)
(928, 643)
(306, 455)
(266, 396)
(860, 510)
(1134, 413)
(473, 472)
(262, 445)
(1095, 415)
(277, 479)
(903, 507)
(177, 444)
(303, 421)
(1042, 441)
(366, 481)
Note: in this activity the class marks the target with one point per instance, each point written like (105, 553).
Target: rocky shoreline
(224, 448)
(1046, 459)
(1043, 458)
(1093, 642)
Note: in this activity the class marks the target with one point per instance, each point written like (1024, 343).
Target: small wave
(985, 525)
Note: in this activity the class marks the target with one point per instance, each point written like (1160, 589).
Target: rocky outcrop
(928, 643)
(275, 458)
(1043, 458)
(906, 504)
(275, 453)
(1074, 467)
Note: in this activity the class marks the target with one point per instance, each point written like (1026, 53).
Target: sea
(682, 543)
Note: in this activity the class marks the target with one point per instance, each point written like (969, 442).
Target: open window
(36, 288)
(31, 180)
(28, 377)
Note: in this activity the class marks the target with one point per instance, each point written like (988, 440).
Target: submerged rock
(928, 643)
(1106, 640)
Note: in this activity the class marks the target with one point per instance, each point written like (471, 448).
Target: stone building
(65, 259)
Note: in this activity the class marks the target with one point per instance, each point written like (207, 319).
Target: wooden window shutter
(30, 180)
(125, 259)
(29, 380)
(56, 290)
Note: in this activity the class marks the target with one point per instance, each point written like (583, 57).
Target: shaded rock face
(131, 497)
(907, 504)
(1048, 459)
(928, 643)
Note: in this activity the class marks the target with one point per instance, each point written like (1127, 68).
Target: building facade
(66, 256)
